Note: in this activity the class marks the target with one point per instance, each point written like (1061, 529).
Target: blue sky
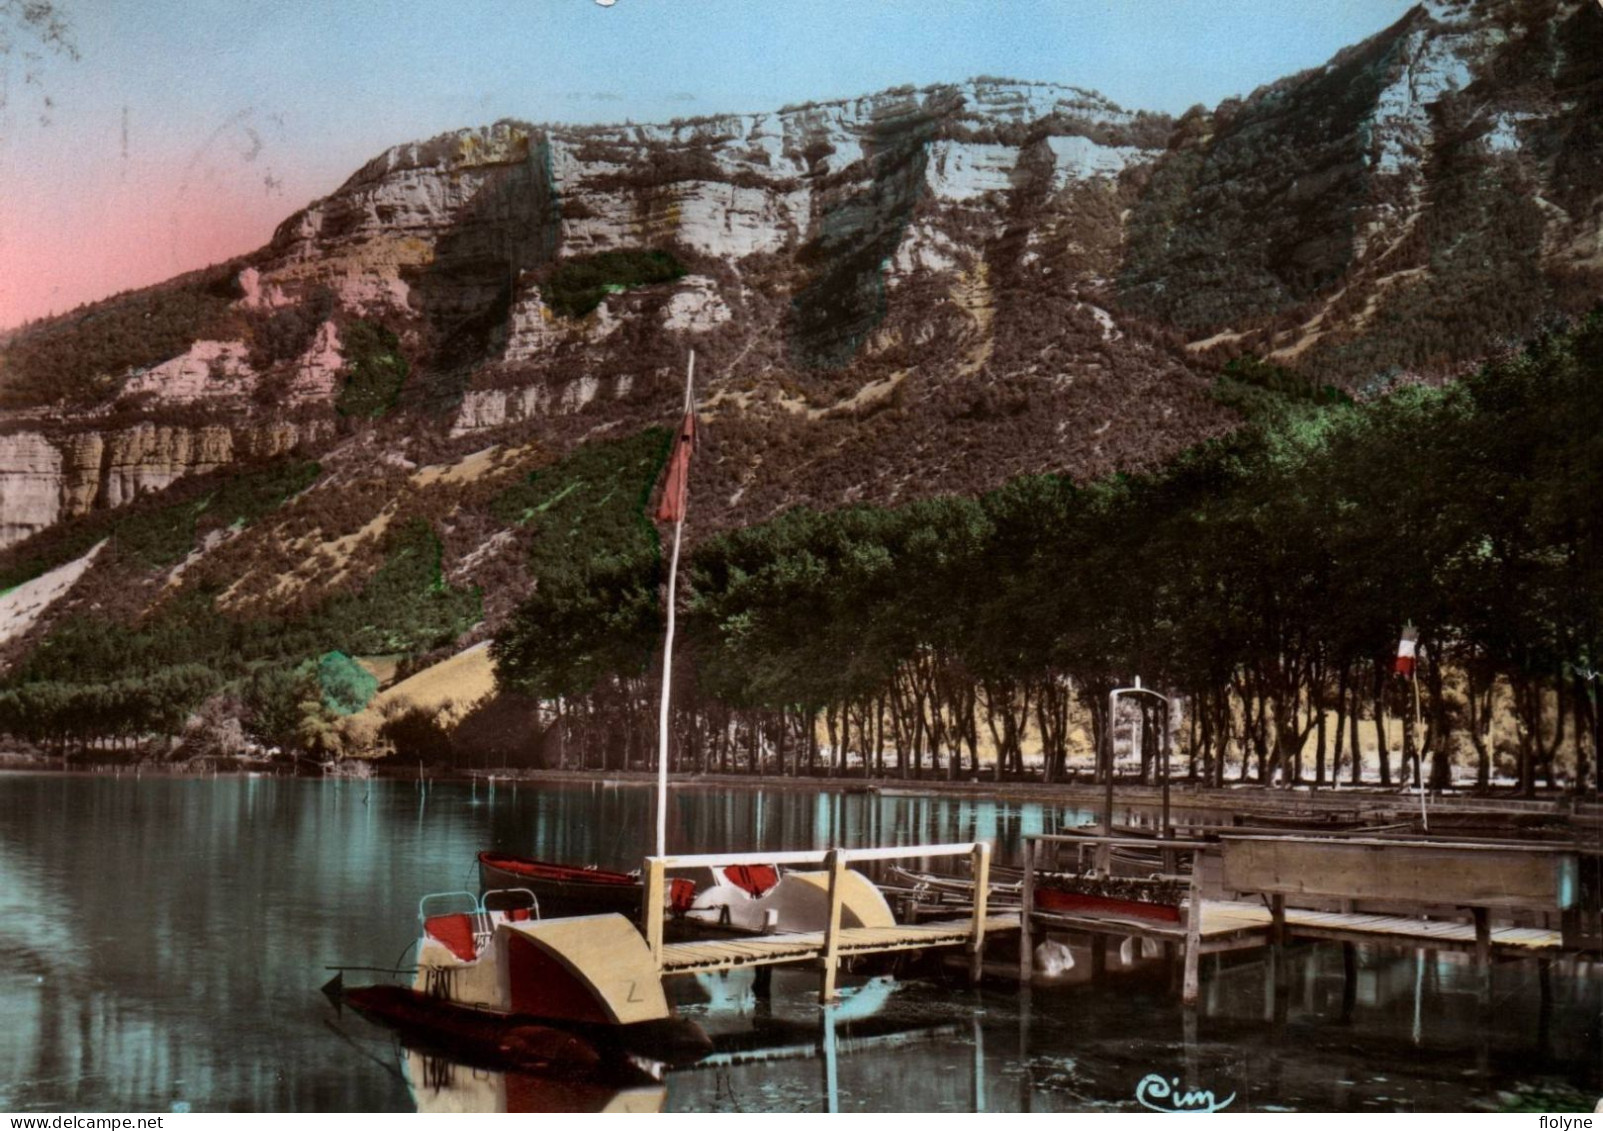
(186, 129)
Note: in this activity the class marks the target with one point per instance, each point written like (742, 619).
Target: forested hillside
(1008, 394)
(1263, 576)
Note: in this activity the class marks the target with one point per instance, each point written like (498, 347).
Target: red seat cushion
(681, 894)
(455, 931)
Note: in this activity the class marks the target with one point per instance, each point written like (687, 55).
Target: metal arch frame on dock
(834, 942)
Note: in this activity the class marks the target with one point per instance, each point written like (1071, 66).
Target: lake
(166, 938)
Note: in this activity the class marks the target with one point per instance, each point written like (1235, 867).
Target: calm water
(165, 939)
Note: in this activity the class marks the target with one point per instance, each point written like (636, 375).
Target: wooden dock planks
(1223, 920)
(1458, 881)
(705, 955)
(829, 946)
(1404, 929)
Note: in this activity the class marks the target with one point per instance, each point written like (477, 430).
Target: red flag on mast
(1405, 651)
(676, 491)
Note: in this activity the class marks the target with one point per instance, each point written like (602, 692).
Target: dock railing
(835, 862)
(1102, 847)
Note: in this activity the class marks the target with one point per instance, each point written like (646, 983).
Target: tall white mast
(667, 649)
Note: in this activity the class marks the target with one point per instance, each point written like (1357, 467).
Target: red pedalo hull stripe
(1052, 899)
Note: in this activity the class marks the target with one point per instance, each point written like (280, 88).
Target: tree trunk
(1585, 726)
(1352, 727)
(1191, 740)
(1341, 722)
(1317, 694)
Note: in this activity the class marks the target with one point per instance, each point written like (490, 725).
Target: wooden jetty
(852, 928)
(1490, 899)
(1410, 892)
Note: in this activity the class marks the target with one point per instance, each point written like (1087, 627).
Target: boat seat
(755, 879)
(456, 932)
(681, 894)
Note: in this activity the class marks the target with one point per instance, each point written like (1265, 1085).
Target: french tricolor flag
(676, 491)
(1405, 651)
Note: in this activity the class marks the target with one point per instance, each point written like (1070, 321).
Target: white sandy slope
(23, 606)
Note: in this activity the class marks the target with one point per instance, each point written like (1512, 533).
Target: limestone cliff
(915, 291)
(45, 479)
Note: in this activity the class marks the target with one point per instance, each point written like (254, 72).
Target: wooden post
(651, 912)
(1188, 1041)
(1349, 980)
(977, 1088)
(1483, 936)
(1190, 986)
(836, 863)
(831, 1063)
(1271, 978)
(1026, 909)
(1273, 972)
(1483, 951)
(982, 891)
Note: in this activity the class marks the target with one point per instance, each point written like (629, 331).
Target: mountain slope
(914, 293)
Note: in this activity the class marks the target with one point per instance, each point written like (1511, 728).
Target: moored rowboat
(563, 889)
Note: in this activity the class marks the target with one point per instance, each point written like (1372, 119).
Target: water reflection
(440, 1087)
(166, 939)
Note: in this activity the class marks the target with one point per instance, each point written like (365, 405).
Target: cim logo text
(1157, 1094)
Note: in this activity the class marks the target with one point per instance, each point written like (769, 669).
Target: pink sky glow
(182, 132)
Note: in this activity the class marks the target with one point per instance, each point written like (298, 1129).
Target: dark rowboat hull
(474, 1036)
(562, 889)
(502, 1041)
(1311, 822)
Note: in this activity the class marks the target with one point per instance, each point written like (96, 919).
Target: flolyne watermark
(1154, 1088)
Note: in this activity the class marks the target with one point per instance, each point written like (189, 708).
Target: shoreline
(1366, 801)
(1245, 798)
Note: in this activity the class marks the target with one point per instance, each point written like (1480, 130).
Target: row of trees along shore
(1261, 579)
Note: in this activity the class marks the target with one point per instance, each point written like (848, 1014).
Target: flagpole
(1407, 664)
(667, 654)
(1419, 752)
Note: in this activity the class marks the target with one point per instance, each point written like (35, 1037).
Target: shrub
(347, 687)
(286, 334)
(416, 732)
(375, 371)
(578, 285)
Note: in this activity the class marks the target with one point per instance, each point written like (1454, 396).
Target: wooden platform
(703, 956)
(1439, 933)
(873, 930)
(1229, 925)
(1431, 885)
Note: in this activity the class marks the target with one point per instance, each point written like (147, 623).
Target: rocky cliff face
(910, 292)
(45, 479)
(1408, 208)
(828, 205)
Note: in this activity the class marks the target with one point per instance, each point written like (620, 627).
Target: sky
(181, 132)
